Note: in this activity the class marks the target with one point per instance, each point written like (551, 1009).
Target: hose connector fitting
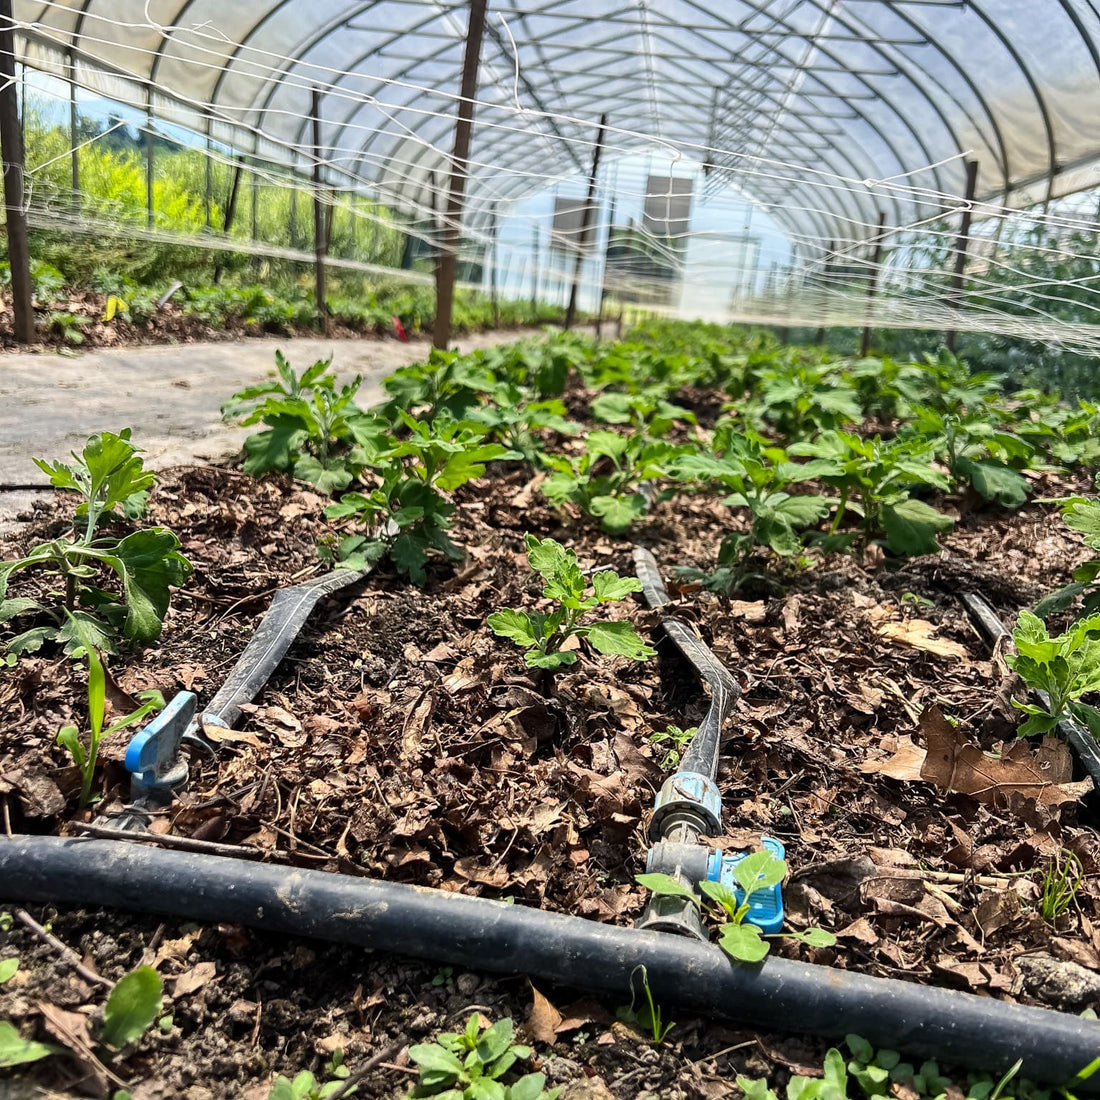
(689, 798)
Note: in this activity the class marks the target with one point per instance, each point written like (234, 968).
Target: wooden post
(586, 222)
(872, 286)
(446, 269)
(11, 150)
(74, 135)
(961, 245)
(320, 235)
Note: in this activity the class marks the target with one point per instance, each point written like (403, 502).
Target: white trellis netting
(832, 116)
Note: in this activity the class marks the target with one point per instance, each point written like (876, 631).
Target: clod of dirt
(1058, 983)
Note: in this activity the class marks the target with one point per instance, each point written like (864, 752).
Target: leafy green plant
(304, 1086)
(86, 757)
(646, 410)
(875, 477)
(1081, 514)
(471, 1065)
(740, 939)
(1061, 881)
(446, 382)
(407, 514)
(1065, 668)
(647, 1017)
(758, 478)
(313, 431)
(605, 479)
(799, 397)
(17, 1051)
(542, 633)
(107, 475)
(678, 738)
(69, 326)
(512, 418)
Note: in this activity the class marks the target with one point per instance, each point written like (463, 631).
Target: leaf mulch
(401, 739)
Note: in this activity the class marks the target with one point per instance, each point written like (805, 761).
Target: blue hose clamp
(688, 795)
(765, 906)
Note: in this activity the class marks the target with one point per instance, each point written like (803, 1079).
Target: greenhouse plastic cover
(830, 112)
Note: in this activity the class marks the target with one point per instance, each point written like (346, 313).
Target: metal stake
(320, 237)
(872, 286)
(586, 222)
(961, 245)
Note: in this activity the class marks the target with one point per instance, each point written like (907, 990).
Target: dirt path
(170, 396)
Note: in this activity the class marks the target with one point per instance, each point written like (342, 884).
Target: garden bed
(402, 739)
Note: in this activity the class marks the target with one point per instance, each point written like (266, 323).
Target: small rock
(467, 983)
(198, 1092)
(1056, 982)
(560, 1070)
(589, 1088)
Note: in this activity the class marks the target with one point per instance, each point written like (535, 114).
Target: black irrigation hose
(702, 754)
(988, 624)
(488, 935)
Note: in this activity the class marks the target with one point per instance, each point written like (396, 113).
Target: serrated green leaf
(557, 659)
(619, 638)
(911, 527)
(408, 556)
(515, 625)
(664, 886)
(995, 481)
(329, 477)
(755, 1089)
(758, 871)
(618, 514)
(609, 586)
(720, 893)
(149, 564)
(132, 1006)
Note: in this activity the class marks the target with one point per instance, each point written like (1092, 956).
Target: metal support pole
(961, 245)
(492, 251)
(872, 286)
(535, 268)
(586, 223)
(11, 150)
(825, 272)
(74, 135)
(292, 221)
(208, 180)
(603, 270)
(254, 212)
(230, 210)
(320, 236)
(446, 269)
(149, 164)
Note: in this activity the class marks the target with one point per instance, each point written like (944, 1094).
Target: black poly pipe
(489, 935)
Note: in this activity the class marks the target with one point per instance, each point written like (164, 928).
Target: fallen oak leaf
(955, 764)
(917, 634)
(544, 1020)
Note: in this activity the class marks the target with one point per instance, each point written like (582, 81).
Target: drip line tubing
(988, 624)
(489, 935)
(702, 754)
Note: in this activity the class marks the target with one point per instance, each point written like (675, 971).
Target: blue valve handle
(153, 755)
(765, 906)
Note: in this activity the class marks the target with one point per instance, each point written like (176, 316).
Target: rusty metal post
(872, 286)
(446, 269)
(11, 150)
(320, 234)
(586, 223)
(961, 245)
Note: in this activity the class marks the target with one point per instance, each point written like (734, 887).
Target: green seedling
(312, 430)
(472, 1065)
(109, 477)
(605, 480)
(679, 740)
(304, 1086)
(1081, 514)
(875, 478)
(1065, 668)
(1061, 881)
(8, 967)
(646, 411)
(407, 514)
(648, 1017)
(757, 478)
(800, 398)
(542, 633)
(85, 757)
(736, 936)
(69, 326)
(512, 418)
(17, 1051)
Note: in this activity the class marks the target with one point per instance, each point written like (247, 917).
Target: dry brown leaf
(544, 1019)
(193, 979)
(905, 764)
(219, 734)
(751, 612)
(417, 717)
(71, 1029)
(956, 765)
(471, 870)
(917, 634)
(996, 909)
